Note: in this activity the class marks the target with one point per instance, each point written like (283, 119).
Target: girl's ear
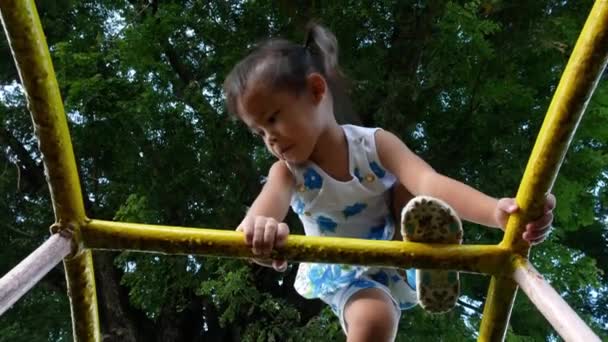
(316, 86)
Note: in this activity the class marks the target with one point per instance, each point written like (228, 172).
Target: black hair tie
(309, 40)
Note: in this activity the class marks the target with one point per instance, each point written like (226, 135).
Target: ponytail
(284, 65)
(323, 46)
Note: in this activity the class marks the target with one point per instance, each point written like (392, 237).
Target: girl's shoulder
(361, 139)
(280, 172)
(363, 154)
(359, 131)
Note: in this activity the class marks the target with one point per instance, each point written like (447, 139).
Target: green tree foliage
(464, 83)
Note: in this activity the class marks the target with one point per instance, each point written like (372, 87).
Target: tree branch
(29, 170)
(469, 306)
(301, 12)
(412, 31)
(20, 232)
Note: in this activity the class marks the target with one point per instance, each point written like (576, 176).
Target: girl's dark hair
(284, 65)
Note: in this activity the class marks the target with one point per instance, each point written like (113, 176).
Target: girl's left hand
(537, 230)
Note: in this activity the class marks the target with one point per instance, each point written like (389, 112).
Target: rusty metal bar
(489, 259)
(561, 316)
(28, 272)
(586, 64)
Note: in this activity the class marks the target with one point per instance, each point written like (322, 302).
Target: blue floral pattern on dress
(326, 224)
(381, 277)
(323, 280)
(354, 209)
(357, 208)
(298, 206)
(377, 232)
(411, 277)
(326, 278)
(395, 278)
(377, 170)
(312, 180)
(358, 174)
(363, 283)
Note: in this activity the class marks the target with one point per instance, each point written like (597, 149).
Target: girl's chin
(293, 159)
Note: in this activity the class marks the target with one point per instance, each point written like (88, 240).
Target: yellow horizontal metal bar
(31, 54)
(576, 86)
(83, 298)
(489, 259)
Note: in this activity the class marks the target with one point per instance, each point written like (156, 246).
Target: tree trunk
(119, 322)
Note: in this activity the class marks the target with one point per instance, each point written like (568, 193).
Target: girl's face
(289, 124)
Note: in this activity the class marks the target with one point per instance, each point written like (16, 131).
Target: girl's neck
(331, 152)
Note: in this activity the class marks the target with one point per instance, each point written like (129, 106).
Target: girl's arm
(421, 179)
(274, 199)
(262, 227)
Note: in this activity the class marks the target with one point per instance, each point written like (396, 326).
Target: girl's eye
(259, 133)
(273, 118)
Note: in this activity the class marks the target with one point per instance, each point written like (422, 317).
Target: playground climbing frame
(74, 235)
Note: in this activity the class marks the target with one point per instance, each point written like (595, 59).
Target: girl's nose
(272, 137)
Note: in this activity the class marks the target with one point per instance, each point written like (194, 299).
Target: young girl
(340, 180)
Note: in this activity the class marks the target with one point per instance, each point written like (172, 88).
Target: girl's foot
(430, 220)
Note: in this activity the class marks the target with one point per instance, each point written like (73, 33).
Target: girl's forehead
(257, 83)
(256, 90)
(255, 102)
(256, 98)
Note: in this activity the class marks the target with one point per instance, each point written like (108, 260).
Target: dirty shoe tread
(430, 220)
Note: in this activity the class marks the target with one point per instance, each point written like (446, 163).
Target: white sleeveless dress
(358, 208)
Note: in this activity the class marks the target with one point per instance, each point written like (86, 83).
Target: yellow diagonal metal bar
(571, 97)
(489, 259)
(31, 54)
(30, 51)
(586, 64)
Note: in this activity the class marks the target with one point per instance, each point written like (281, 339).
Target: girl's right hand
(262, 234)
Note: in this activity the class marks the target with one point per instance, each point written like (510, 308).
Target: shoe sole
(430, 220)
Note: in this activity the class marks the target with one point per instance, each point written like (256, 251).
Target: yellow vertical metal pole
(586, 64)
(30, 51)
(83, 297)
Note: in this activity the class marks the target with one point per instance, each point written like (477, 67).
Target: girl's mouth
(286, 149)
(283, 151)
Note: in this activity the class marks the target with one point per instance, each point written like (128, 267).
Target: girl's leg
(371, 315)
